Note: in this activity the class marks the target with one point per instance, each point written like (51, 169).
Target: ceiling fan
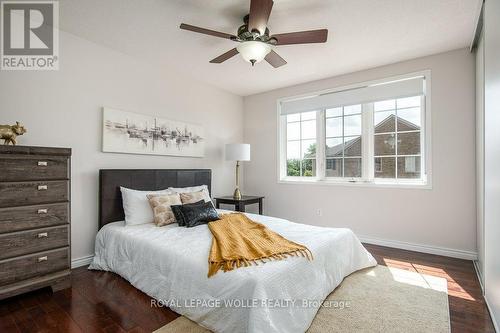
(255, 41)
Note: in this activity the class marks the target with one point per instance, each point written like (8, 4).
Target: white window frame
(368, 142)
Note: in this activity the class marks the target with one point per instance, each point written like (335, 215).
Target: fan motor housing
(245, 35)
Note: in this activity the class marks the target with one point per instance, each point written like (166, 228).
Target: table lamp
(237, 152)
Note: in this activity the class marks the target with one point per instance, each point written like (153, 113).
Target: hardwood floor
(104, 302)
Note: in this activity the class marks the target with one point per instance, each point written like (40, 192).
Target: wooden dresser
(34, 219)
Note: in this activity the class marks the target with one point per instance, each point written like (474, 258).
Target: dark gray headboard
(110, 197)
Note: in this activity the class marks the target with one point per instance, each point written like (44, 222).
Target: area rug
(378, 299)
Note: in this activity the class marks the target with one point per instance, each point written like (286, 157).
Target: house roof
(409, 124)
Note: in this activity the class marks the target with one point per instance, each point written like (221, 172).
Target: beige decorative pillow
(192, 197)
(161, 203)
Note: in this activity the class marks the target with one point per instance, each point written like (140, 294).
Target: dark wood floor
(104, 302)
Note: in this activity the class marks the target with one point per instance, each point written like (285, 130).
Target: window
(301, 144)
(397, 125)
(343, 141)
(374, 133)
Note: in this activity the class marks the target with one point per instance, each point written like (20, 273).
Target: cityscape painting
(128, 132)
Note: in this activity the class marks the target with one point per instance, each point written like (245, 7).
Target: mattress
(170, 264)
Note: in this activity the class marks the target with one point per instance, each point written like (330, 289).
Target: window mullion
(343, 143)
(320, 145)
(368, 150)
(396, 137)
(283, 143)
(300, 146)
(423, 141)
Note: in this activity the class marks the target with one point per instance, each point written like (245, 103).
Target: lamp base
(237, 194)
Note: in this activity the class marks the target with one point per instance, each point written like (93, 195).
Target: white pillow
(136, 205)
(203, 188)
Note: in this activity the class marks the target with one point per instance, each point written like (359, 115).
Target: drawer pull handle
(43, 235)
(42, 259)
(42, 211)
(42, 163)
(42, 187)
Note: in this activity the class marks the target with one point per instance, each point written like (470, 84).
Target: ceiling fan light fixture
(254, 51)
(255, 42)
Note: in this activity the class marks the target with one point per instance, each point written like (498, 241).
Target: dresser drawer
(25, 267)
(32, 217)
(30, 193)
(25, 242)
(33, 167)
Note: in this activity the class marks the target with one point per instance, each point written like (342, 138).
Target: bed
(170, 263)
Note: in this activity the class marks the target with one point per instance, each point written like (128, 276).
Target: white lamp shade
(238, 152)
(253, 51)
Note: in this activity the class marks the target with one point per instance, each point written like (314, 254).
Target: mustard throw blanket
(238, 241)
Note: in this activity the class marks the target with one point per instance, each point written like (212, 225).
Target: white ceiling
(362, 34)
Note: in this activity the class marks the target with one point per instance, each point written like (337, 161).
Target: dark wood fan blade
(206, 31)
(260, 10)
(302, 37)
(225, 56)
(275, 60)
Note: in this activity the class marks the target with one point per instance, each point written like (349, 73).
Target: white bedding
(171, 264)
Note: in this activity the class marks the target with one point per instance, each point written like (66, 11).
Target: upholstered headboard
(110, 197)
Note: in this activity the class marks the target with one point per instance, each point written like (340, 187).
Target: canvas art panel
(133, 133)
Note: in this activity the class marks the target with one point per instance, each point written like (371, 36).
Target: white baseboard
(442, 251)
(478, 273)
(493, 319)
(83, 261)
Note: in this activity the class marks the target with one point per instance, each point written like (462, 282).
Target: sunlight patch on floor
(429, 277)
(419, 280)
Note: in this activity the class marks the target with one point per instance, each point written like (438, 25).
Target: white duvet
(171, 264)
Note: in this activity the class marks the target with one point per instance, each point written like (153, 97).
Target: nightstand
(239, 205)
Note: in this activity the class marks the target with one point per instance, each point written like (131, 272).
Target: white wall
(492, 158)
(63, 108)
(443, 217)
